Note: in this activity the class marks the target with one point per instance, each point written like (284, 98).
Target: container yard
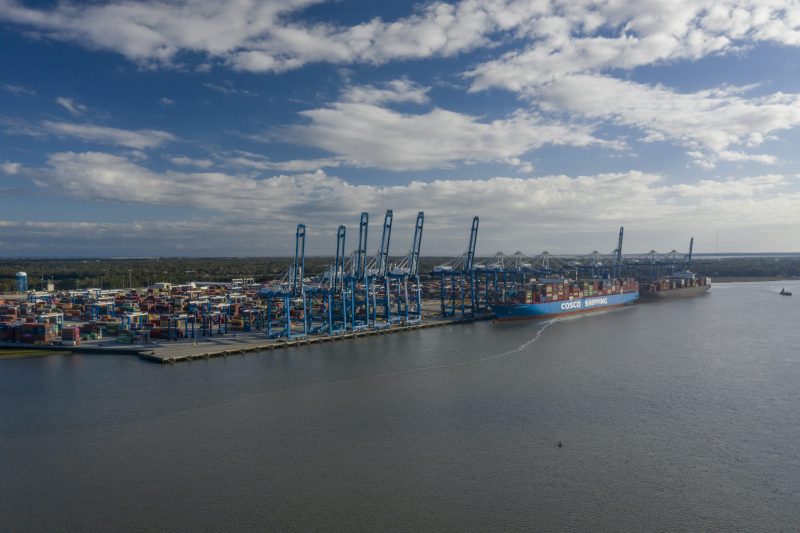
(356, 295)
(167, 323)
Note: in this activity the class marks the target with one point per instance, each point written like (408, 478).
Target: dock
(106, 349)
(222, 346)
(167, 352)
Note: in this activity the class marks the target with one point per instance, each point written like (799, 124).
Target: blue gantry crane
(326, 301)
(298, 271)
(211, 316)
(286, 310)
(378, 280)
(457, 288)
(356, 281)
(406, 306)
(501, 276)
(414, 314)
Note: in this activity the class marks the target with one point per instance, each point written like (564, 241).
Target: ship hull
(680, 292)
(508, 312)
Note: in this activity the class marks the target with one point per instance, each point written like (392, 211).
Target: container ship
(679, 285)
(560, 297)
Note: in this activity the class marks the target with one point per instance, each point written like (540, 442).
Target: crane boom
(618, 258)
(299, 260)
(361, 253)
(383, 257)
(691, 247)
(416, 245)
(473, 241)
(338, 267)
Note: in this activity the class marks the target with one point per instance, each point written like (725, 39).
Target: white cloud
(400, 90)
(709, 161)
(166, 101)
(135, 139)
(367, 135)
(708, 122)
(74, 108)
(18, 90)
(188, 161)
(258, 162)
(154, 31)
(591, 37)
(227, 88)
(272, 35)
(437, 29)
(91, 172)
(547, 211)
(728, 155)
(18, 126)
(10, 168)
(250, 161)
(559, 44)
(364, 133)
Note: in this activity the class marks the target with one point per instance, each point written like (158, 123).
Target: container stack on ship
(596, 286)
(558, 297)
(668, 276)
(675, 286)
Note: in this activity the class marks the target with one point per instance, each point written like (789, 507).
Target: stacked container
(71, 336)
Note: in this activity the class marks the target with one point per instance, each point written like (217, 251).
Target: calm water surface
(674, 415)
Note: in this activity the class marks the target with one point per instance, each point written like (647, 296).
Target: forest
(139, 272)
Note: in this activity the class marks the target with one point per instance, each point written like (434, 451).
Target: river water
(682, 414)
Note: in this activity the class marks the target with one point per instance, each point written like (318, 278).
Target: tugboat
(784, 292)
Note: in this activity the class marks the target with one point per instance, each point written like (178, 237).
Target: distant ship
(784, 292)
(560, 297)
(678, 285)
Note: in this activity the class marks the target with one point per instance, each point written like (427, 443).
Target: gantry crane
(402, 307)
(325, 300)
(357, 282)
(378, 280)
(286, 302)
(457, 280)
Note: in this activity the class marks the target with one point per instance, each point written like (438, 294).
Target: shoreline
(745, 279)
(27, 352)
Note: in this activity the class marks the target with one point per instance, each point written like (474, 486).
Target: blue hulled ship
(559, 297)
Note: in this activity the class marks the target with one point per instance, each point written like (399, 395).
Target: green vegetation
(16, 353)
(748, 267)
(119, 273)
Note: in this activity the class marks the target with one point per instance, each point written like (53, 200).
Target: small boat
(784, 292)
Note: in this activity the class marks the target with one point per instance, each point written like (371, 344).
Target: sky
(208, 128)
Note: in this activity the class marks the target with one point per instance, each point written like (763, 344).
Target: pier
(247, 343)
(239, 343)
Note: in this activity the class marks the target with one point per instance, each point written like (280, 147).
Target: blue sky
(205, 128)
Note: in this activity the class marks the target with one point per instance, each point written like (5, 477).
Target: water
(674, 415)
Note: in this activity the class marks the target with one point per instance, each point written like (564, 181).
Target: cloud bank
(566, 36)
(536, 211)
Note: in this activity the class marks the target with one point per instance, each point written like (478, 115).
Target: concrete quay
(105, 348)
(224, 345)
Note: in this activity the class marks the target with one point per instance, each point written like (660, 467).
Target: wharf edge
(174, 353)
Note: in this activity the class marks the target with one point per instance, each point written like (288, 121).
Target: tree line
(140, 272)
